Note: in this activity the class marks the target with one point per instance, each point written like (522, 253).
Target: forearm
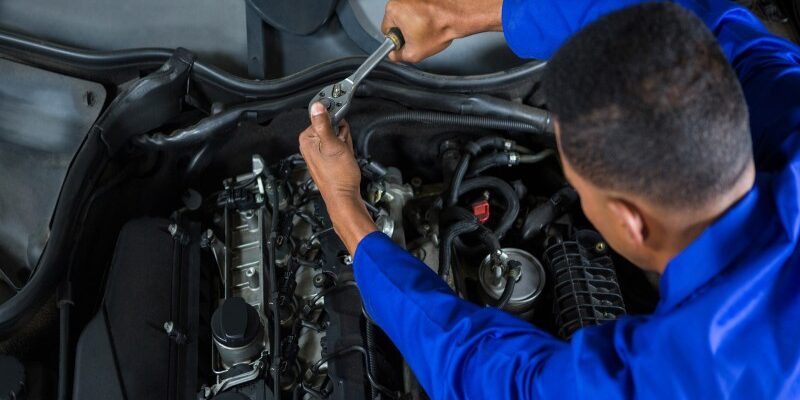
(350, 220)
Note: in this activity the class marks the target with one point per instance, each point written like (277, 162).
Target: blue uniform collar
(716, 249)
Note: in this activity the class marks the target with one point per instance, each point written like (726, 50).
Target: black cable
(338, 353)
(276, 339)
(440, 119)
(322, 293)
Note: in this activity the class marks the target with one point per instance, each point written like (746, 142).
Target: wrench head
(336, 98)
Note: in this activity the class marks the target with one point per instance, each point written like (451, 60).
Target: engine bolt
(600, 247)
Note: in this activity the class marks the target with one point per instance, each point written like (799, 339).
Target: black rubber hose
(445, 252)
(505, 191)
(471, 149)
(337, 69)
(440, 119)
(464, 104)
(535, 158)
(456, 222)
(489, 161)
(547, 212)
(262, 89)
(225, 121)
(494, 160)
(458, 177)
(507, 292)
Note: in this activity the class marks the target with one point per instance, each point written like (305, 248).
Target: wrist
(473, 17)
(350, 220)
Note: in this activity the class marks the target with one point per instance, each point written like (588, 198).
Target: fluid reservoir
(237, 331)
(528, 287)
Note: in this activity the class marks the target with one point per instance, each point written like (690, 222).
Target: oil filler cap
(12, 378)
(235, 323)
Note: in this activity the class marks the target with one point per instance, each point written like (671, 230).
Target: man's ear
(630, 219)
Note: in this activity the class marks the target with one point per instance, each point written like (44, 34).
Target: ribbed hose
(440, 119)
(369, 333)
(446, 247)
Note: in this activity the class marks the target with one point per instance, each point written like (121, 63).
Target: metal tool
(337, 97)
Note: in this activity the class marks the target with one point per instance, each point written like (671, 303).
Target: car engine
(287, 311)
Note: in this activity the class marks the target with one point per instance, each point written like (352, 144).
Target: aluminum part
(529, 285)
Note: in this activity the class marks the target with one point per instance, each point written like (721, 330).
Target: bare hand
(333, 167)
(429, 26)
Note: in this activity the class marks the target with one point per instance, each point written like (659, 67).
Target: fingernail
(317, 109)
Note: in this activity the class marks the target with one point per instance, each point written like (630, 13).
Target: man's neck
(688, 226)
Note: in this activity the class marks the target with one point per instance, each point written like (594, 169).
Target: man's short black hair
(648, 104)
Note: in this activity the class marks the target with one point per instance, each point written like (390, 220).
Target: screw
(337, 90)
(600, 247)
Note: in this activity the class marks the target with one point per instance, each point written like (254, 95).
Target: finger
(305, 141)
(388, 22)
(321, 123)
(388, 16)
(344, 133)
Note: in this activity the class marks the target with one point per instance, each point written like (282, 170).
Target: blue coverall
(728, 322)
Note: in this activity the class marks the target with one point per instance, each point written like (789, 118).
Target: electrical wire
(355, 348)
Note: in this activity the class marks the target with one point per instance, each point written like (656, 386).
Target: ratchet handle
(396, 36)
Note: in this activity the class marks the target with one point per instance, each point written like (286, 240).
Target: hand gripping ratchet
(337, 97)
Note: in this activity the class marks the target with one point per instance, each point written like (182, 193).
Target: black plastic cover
(585, 290)
(235, 323)
(12, 378)
(125, 351)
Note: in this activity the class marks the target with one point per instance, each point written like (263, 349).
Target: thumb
(321, 122)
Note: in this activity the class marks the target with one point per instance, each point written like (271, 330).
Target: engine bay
(203, 263)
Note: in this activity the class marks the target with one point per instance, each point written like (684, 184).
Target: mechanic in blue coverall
(654, 134)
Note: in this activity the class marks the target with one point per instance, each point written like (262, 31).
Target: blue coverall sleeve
(459, 350)
(767, 66)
